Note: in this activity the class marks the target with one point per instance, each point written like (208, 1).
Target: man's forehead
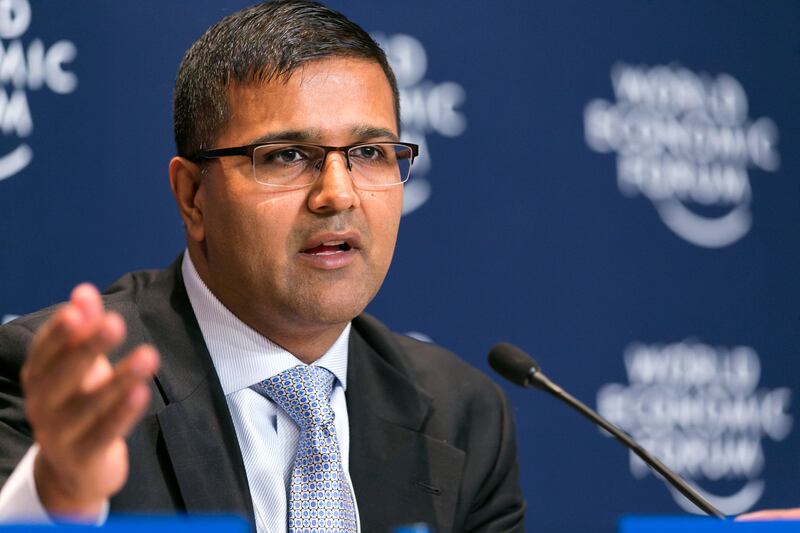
(335, 97)
(361, 132)
(258, 82)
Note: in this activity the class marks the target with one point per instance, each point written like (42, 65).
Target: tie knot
(303, 392)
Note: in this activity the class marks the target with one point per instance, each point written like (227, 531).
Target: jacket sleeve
(498, 505)
(15, 433)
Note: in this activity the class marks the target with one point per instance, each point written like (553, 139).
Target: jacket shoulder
(121, 296)
(427, 359)
(454, 385)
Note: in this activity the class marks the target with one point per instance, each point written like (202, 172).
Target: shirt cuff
(19, 499)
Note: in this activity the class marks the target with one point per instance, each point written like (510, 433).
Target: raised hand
(771, 514)
(81, 407)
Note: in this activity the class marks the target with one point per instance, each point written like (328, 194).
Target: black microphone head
(512, 363)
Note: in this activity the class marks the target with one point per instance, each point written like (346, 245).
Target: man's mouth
(329, 248)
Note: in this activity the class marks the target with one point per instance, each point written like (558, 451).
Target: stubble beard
(331, 298)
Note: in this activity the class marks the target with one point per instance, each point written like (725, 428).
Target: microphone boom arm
(521, 369)
(537, 379)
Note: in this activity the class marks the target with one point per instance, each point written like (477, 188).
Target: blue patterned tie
(319, 498)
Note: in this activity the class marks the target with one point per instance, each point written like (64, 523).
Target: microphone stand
(521, 369)
(539, 380)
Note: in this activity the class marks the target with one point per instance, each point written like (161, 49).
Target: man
(289, 182)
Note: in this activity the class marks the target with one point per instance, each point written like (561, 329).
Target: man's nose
(333, 189)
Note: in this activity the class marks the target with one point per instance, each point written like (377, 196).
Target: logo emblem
(700, 409)
(684, 140)
(26, 66)
(426, 108)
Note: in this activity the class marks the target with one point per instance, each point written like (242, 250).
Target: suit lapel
(195, 423)
(400, 474)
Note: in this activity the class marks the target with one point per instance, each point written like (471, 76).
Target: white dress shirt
(267, 435)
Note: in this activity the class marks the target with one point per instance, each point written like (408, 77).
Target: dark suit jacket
(431, 439)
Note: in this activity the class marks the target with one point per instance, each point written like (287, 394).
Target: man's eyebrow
(371, 132)
(359, 133)
(288, 135)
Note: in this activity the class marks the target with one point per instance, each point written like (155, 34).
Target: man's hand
(771, 514)
(80, 406)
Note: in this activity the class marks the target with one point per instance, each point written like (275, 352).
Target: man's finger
(771, 514)
(71, 325)
(85, 412)
(98, 374)
(81, 412)
(51, 338)
(65, 373)
(86, 298)
(118, 420)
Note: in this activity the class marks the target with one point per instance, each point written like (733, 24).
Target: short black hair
(260, 43)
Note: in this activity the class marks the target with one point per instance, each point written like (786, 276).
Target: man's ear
(185, 179)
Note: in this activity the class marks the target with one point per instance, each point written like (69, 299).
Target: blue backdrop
(612, 187)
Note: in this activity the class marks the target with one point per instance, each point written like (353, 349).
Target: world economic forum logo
(26, 65)
(426, 107)
(701, 410)
(684, 140)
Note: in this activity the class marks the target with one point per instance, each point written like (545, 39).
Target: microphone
(521, 369)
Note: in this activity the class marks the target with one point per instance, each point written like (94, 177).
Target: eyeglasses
(287, 165)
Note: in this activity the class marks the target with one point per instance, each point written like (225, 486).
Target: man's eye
(277, 156)
(369, 152)
(287, 155)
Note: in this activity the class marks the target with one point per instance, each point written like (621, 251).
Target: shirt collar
(242, 357)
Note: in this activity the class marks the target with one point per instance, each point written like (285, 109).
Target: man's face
(264, 258)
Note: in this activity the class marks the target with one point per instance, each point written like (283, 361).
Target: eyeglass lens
(291, 165)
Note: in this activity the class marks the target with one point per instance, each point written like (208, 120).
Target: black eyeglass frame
(248, 149)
